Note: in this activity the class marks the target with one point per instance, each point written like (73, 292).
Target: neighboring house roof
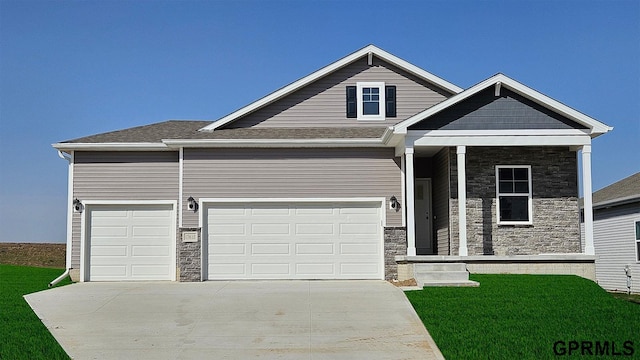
(369, 50)
(624, 191)
(500, 80)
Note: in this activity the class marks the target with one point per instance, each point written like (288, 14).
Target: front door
(424, 238)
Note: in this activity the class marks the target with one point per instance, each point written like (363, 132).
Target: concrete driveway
(234, 320)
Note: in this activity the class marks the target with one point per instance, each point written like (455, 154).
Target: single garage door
(293, 240)
(130, 242)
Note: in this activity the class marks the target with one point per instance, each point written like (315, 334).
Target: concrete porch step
(441, 275)
(440, 267)
(452, 283)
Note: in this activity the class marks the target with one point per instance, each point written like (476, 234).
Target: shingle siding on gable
(485, 111)
(323, 103)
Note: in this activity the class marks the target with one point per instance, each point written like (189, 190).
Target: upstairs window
(371, 101)
(513, 191)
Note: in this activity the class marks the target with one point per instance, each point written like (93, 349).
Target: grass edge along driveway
(529, 317)
(22, 334)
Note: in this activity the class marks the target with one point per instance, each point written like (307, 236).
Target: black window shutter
(352, 110)
(390, 98)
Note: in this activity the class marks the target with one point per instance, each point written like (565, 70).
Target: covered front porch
(491, 180)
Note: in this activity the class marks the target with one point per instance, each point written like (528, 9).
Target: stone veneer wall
(395, 243)
(189, 257)
(556, 216)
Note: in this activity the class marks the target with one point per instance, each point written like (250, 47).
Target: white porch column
(410, 199)
(588, 202)
(462, 200)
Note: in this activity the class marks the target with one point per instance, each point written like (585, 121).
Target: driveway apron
(234, 320)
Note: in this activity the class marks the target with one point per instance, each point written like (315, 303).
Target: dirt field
(33, 254)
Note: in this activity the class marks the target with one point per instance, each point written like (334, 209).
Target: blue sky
(75, 68)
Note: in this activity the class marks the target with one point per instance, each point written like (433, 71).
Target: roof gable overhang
(593, 127)
(370, 50)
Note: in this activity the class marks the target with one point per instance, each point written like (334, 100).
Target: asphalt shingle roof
(188, 130)
(626, 188)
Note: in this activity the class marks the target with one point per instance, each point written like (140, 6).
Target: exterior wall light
(192, 204)
(77, 206)
(393, 202)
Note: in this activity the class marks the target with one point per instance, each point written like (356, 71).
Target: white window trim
(498, 194)
(637, 240)
(381, 106)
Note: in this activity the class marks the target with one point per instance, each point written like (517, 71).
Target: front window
(638, 241)
(513, 189)
(371, 100)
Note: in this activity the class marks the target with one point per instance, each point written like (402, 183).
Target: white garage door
(133, 242)
(294, 241)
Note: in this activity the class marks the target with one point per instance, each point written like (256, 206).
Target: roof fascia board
(261, 143)
(596, 127)
(111, 146)
(617, 202)
(278, 94)
(529, 140)
(522, 132)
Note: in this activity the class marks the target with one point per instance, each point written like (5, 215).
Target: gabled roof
(623, 191)
(370, 49)
(500, 80)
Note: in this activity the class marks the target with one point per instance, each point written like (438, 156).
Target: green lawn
(529, 317)
(22, 334)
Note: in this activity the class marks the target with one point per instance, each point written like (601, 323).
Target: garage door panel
(356, 269)
(109, 231)
(227, 249)
(315, 229)
(102, 272)
(130, 242)
(311, 210)
(312, 269)
(149, 250)
(269, 211)
(113, 250)
(270, 269)
(315, 249)
(227, 271)
(293, 241)
(359, 229)
(270, 229)
(358, 249)
(270, 249)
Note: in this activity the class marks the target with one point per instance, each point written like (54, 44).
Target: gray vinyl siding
(121, 176)
(441, 201)
(614, 242)
(291, 173)
(323, 103)
(485, 111)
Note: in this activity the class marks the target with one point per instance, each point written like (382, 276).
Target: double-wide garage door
(130, 242)
(300, 240)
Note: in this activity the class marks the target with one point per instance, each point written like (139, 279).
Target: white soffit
(379, 53)
(596, 127)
